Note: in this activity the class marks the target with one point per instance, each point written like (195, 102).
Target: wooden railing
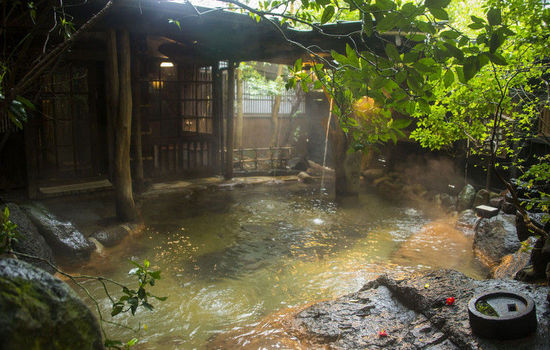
(261, 159)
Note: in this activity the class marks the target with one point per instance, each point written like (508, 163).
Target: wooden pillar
(111, 80)
(217, 116)
(229, 119)
(240, 111)
(125, 206)
(138, 148)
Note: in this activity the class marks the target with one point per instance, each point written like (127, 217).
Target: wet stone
(63, 237)
(412, 310)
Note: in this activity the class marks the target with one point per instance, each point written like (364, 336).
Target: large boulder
(298, 163)
(112, 235)
(482, 197)
(495, 238)
(29, 241)
(38, 311)
(412, 312)
(63, 237)
(511, 265)
(466, 198)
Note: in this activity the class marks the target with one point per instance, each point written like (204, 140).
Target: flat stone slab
(413, 312)
(486, 211)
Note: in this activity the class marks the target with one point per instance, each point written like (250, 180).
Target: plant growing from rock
(130, 301)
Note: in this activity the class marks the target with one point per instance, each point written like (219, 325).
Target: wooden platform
(82, 187)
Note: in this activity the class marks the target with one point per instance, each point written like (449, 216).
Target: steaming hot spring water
(232, 259)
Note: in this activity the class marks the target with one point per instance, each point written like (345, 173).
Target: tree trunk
(298, 99)
(125, 206)
(240, 111)
(347, 166)
(275, 115)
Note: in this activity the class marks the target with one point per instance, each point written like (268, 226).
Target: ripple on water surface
(230, 258)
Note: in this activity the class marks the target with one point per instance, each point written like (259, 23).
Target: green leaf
(388, 22)
(477, 19)
(450, 34)
(298, 65)
(116, 310)
(392, 52)
(495, 41)
(328, 12)
(494, 17)
(497, 59)
(448, 78)
(471, 67)
(28, 104)
(425, 27)
(367, 24)
(476, 26)
(385, 5)
(132, 342)
(454, 51)
(437, 3)
(439, 13)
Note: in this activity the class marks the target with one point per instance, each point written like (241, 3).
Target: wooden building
(182, 71)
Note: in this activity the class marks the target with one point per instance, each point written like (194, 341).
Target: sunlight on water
(230, 258)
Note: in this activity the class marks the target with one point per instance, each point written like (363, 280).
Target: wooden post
(217, 116)
(229, 119)
(111, 98)
(240, 111)
(125, 206)
(138, 149)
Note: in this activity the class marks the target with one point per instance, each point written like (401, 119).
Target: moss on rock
(38, 311)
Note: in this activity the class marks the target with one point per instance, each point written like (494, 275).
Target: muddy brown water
(230, 258)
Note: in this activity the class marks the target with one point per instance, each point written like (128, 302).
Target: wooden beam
(229, 119)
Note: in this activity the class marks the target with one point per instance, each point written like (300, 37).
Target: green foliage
(257, 84)
(485, 308)
(8, 231)
(134, 298)
(538, 175)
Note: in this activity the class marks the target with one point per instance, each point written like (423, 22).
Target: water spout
(326, 146)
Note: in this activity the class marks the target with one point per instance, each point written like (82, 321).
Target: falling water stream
(231, 258)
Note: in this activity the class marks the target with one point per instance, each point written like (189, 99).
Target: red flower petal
(450, 301)
(382, 333)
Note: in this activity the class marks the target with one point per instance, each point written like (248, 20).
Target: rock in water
(29, 241)
(412, 312)
(495, 238)
(466, 198)
(467, 219)
(63, 237)
(112, 235)
(305, 177)
(38, 311)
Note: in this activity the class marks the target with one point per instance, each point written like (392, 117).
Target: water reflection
(230, 258)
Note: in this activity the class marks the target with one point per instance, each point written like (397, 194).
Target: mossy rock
(38, 311)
